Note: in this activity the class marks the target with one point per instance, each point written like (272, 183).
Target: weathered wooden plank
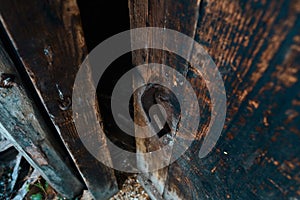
(162, 14)
(47, 36)
(4, 145)
(255, 45)
(252, 44)
(22, 124)
(138, 18)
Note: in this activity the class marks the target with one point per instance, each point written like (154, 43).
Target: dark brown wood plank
(255, 45)
(48, 37)
(163, 14)
(24, 127)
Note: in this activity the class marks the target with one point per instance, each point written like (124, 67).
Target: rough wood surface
(161, 14)
(22, 124)
(256, 46)
(48, 38)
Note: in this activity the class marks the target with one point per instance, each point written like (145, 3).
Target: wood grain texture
(48, 38)
(23, 125)
(161, 14)
(255, 45)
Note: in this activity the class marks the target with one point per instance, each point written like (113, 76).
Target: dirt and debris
(131, 190)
